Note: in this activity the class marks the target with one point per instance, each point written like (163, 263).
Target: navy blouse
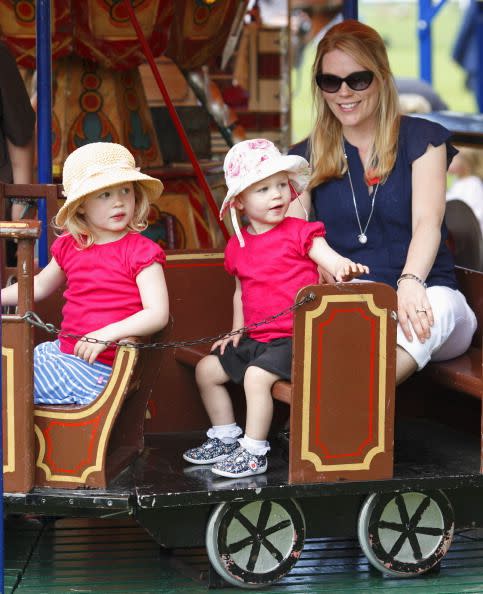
(390, 229)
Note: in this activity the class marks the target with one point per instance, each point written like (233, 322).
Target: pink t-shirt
(272, 268)
(101, 284)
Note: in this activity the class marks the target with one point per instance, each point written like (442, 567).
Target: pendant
(362, 238)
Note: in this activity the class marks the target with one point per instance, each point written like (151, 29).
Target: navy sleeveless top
(390, 229)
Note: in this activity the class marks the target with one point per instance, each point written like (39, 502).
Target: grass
(397, 23)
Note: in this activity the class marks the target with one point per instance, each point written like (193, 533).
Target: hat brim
(96, 183)
(296, 167)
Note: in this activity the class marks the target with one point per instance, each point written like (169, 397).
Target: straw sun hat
(250, 161)
(99, 165)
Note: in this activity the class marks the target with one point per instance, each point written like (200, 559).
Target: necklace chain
(362, 237)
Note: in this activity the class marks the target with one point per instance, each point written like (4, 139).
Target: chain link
(33, 319)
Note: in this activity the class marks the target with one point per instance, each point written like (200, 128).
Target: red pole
(175, 118)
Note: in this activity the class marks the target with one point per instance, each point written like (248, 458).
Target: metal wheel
(255, 544)
(406, 534)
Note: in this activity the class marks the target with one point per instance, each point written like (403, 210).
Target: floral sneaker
(241, 463)
(213, 450)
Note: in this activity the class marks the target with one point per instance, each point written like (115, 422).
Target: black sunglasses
(357, 81)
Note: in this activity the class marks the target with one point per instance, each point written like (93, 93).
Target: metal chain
(33, 319)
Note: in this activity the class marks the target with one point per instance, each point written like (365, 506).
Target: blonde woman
(379, 183)
(115, 285)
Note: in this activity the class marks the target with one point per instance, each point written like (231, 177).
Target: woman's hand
(89, 351)
(414, 310)
(224, 342)
(347, 270)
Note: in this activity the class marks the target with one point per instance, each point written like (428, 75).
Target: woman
(378, 183)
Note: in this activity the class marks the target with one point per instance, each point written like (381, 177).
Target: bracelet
(409, 276)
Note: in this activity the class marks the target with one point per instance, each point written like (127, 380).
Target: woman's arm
(238, 320)
(153, 316)
(428, 205)
(297, 210)
(46, 282)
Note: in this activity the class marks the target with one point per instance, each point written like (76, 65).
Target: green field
(397, 23)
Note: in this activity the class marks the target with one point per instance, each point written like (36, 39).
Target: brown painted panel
(17, 405)
(343, 379)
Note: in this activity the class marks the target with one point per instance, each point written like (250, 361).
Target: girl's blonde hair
(367, 48)
(76, 225)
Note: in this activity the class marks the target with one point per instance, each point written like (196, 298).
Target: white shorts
(454, 326)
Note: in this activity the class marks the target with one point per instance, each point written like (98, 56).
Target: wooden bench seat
(465, 373)
(191, 355)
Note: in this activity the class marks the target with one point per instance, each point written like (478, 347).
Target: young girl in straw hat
(114, 276)
(271, 259)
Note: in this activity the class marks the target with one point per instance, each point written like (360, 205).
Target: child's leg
(211, 379)
(258, 385)
(250, 458)
(222, 436)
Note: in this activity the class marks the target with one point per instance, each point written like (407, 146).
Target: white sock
(258, 447)
(227, 433)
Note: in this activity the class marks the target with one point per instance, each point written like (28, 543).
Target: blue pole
(44, 114)
(350, 9)
(479, 42)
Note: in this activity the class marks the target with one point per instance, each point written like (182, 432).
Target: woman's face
(354, 109)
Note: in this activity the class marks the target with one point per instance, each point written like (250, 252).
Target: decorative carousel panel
(18, 29)
(17, 405)
(94, 104)
(200, 29)
(343, 403)
(104, 32)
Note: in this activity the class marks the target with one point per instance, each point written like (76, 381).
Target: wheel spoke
(254, 553)
(390, 526)
(403, 512)
(418, 514)
(280, 526)
(265, 512)
(397, 546)
(241, 544)
(429, 531)
(246, 523)
(414, 542)
(272, 550)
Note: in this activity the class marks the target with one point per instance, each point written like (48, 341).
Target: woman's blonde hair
(367, 48)
(76, 225)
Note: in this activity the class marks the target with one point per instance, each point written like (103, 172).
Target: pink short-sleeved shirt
(272, 268)
(101, 284)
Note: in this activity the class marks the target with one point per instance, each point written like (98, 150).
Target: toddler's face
(109, 212)
(265, 203)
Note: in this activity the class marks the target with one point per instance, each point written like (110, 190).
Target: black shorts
(274, 356)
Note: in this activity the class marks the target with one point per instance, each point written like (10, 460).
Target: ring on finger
(421, 311)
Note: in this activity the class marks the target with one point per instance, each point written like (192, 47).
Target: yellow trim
(194, 256)
(10, 409)
(306, 453)
(123, 352)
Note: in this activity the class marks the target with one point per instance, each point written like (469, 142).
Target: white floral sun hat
(98, 165)
(250, 161)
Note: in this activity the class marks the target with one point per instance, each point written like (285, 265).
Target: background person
(379, 185)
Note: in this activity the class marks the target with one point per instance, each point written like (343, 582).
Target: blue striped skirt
(66, 379)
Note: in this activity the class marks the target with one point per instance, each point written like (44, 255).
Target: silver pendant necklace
(362, 237)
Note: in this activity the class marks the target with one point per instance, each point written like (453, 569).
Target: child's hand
(348, 270)
(89, 351)
(223, 342)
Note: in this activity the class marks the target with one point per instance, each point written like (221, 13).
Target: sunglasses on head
(357, 81)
